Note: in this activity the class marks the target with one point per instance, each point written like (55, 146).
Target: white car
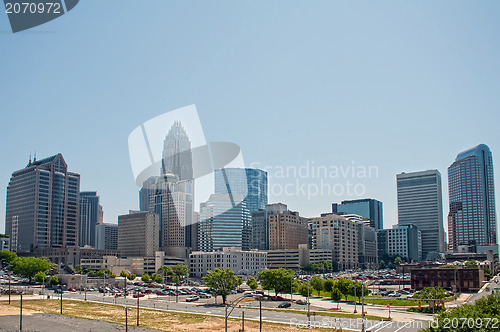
(204, 296)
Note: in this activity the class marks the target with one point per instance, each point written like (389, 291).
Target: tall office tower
(472, 217)
(172, 200)
(368, 208)
(287, 230)
(367, 245)
(404, 241)
(250, 183)
(90, 216)
(42, 206)
(106, 236)
(138, 234)
(336, 233)
(148, 189)
(177, 157)
(260, 225)
(420, 204)
(223, 224)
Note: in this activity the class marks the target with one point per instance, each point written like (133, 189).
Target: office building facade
(367, 246)
(251, 183)
(472, 216)
(138, 234)
(404, 241)
(90, 215)
(106, 236)
(336, 233)
(368, 208)
(42, 206)
(420, 204)
(223, 224)
(287, 229)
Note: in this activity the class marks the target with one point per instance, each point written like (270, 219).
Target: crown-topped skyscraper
(177, 157)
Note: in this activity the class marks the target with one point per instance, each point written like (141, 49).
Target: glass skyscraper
(90, 216)
(223, 224)
(367, 208)
(250, 183)
(472, 216)
(177, 157)
(42, 206)
(420, 203)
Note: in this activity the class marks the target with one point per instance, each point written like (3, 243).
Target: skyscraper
(42, 206)
(368, 208)
(472, 216)
(138, 234)
(250, 183)
(90, 216)
(287, 230)
(420, 204)
(177, 157)
(223, 224)
(106, 236)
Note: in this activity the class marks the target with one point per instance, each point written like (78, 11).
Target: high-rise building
(250, 183)
(472, 216)
(106, 236)
(42, 206)
(90, 216)
(260, 225)
(138, 234)
(368, 208)
(177, 156)
(367, 246)
(420, 204)
(172, 200)
(287, 230)
(336, 233)
(223, 224)
(404, 241)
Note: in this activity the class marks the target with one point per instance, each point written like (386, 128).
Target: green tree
(145, 277)
(343, 286)
(431, 293)
(381, 264)
(6, 256)
(54, 280)
(276, 279)
(487, 273)
(305, 289)
(180, 270)
(123, 274)
(222, 282)
(398, 261)
(360, 289)
(29, 266)
(131, 276)
(252, 283)
(329, 284)
(40, 277)
(472, 264)
(336, 296)
(318, 284)
(157, 278)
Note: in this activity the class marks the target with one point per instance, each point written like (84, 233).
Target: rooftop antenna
(34, 160)
(30, 159)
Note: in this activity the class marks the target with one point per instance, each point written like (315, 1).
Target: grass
(369, 300)
(155, 319)
(326, 313)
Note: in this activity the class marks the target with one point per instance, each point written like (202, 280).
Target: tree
(145, 277)
(276, 279)
(336, 296)
(6, 256)
(252, 283)
(123, 274)
(487, 273)
(180, 270)
(318, 284)
(472, 264)
(54, 280)
(305, 289)
(222, 282)
(431, 293)
(131, 276)
(40, 277)
(381, 264)
(398, 261)
(329, 284)
(343, 286)
(157, 278)
(29, 266)
(360, 288)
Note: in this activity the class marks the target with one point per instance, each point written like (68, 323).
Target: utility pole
(21, 314)
(137, 309)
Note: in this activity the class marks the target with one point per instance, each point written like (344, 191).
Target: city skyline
(378, 78)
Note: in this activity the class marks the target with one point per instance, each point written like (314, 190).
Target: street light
(126, 317)
(259, 297)
(355, 311)
(233, 305)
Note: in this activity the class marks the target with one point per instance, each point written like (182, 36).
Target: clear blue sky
(401, 85)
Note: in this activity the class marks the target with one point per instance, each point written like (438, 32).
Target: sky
(386, 86)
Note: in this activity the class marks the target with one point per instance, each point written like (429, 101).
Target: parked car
(204, 296)
(192, 298)
(284, 305)
(301, 302)
(138, 295)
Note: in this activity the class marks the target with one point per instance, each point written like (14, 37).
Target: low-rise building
(460, 279)
(4, 242)
(241, 262)
(296, 259)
